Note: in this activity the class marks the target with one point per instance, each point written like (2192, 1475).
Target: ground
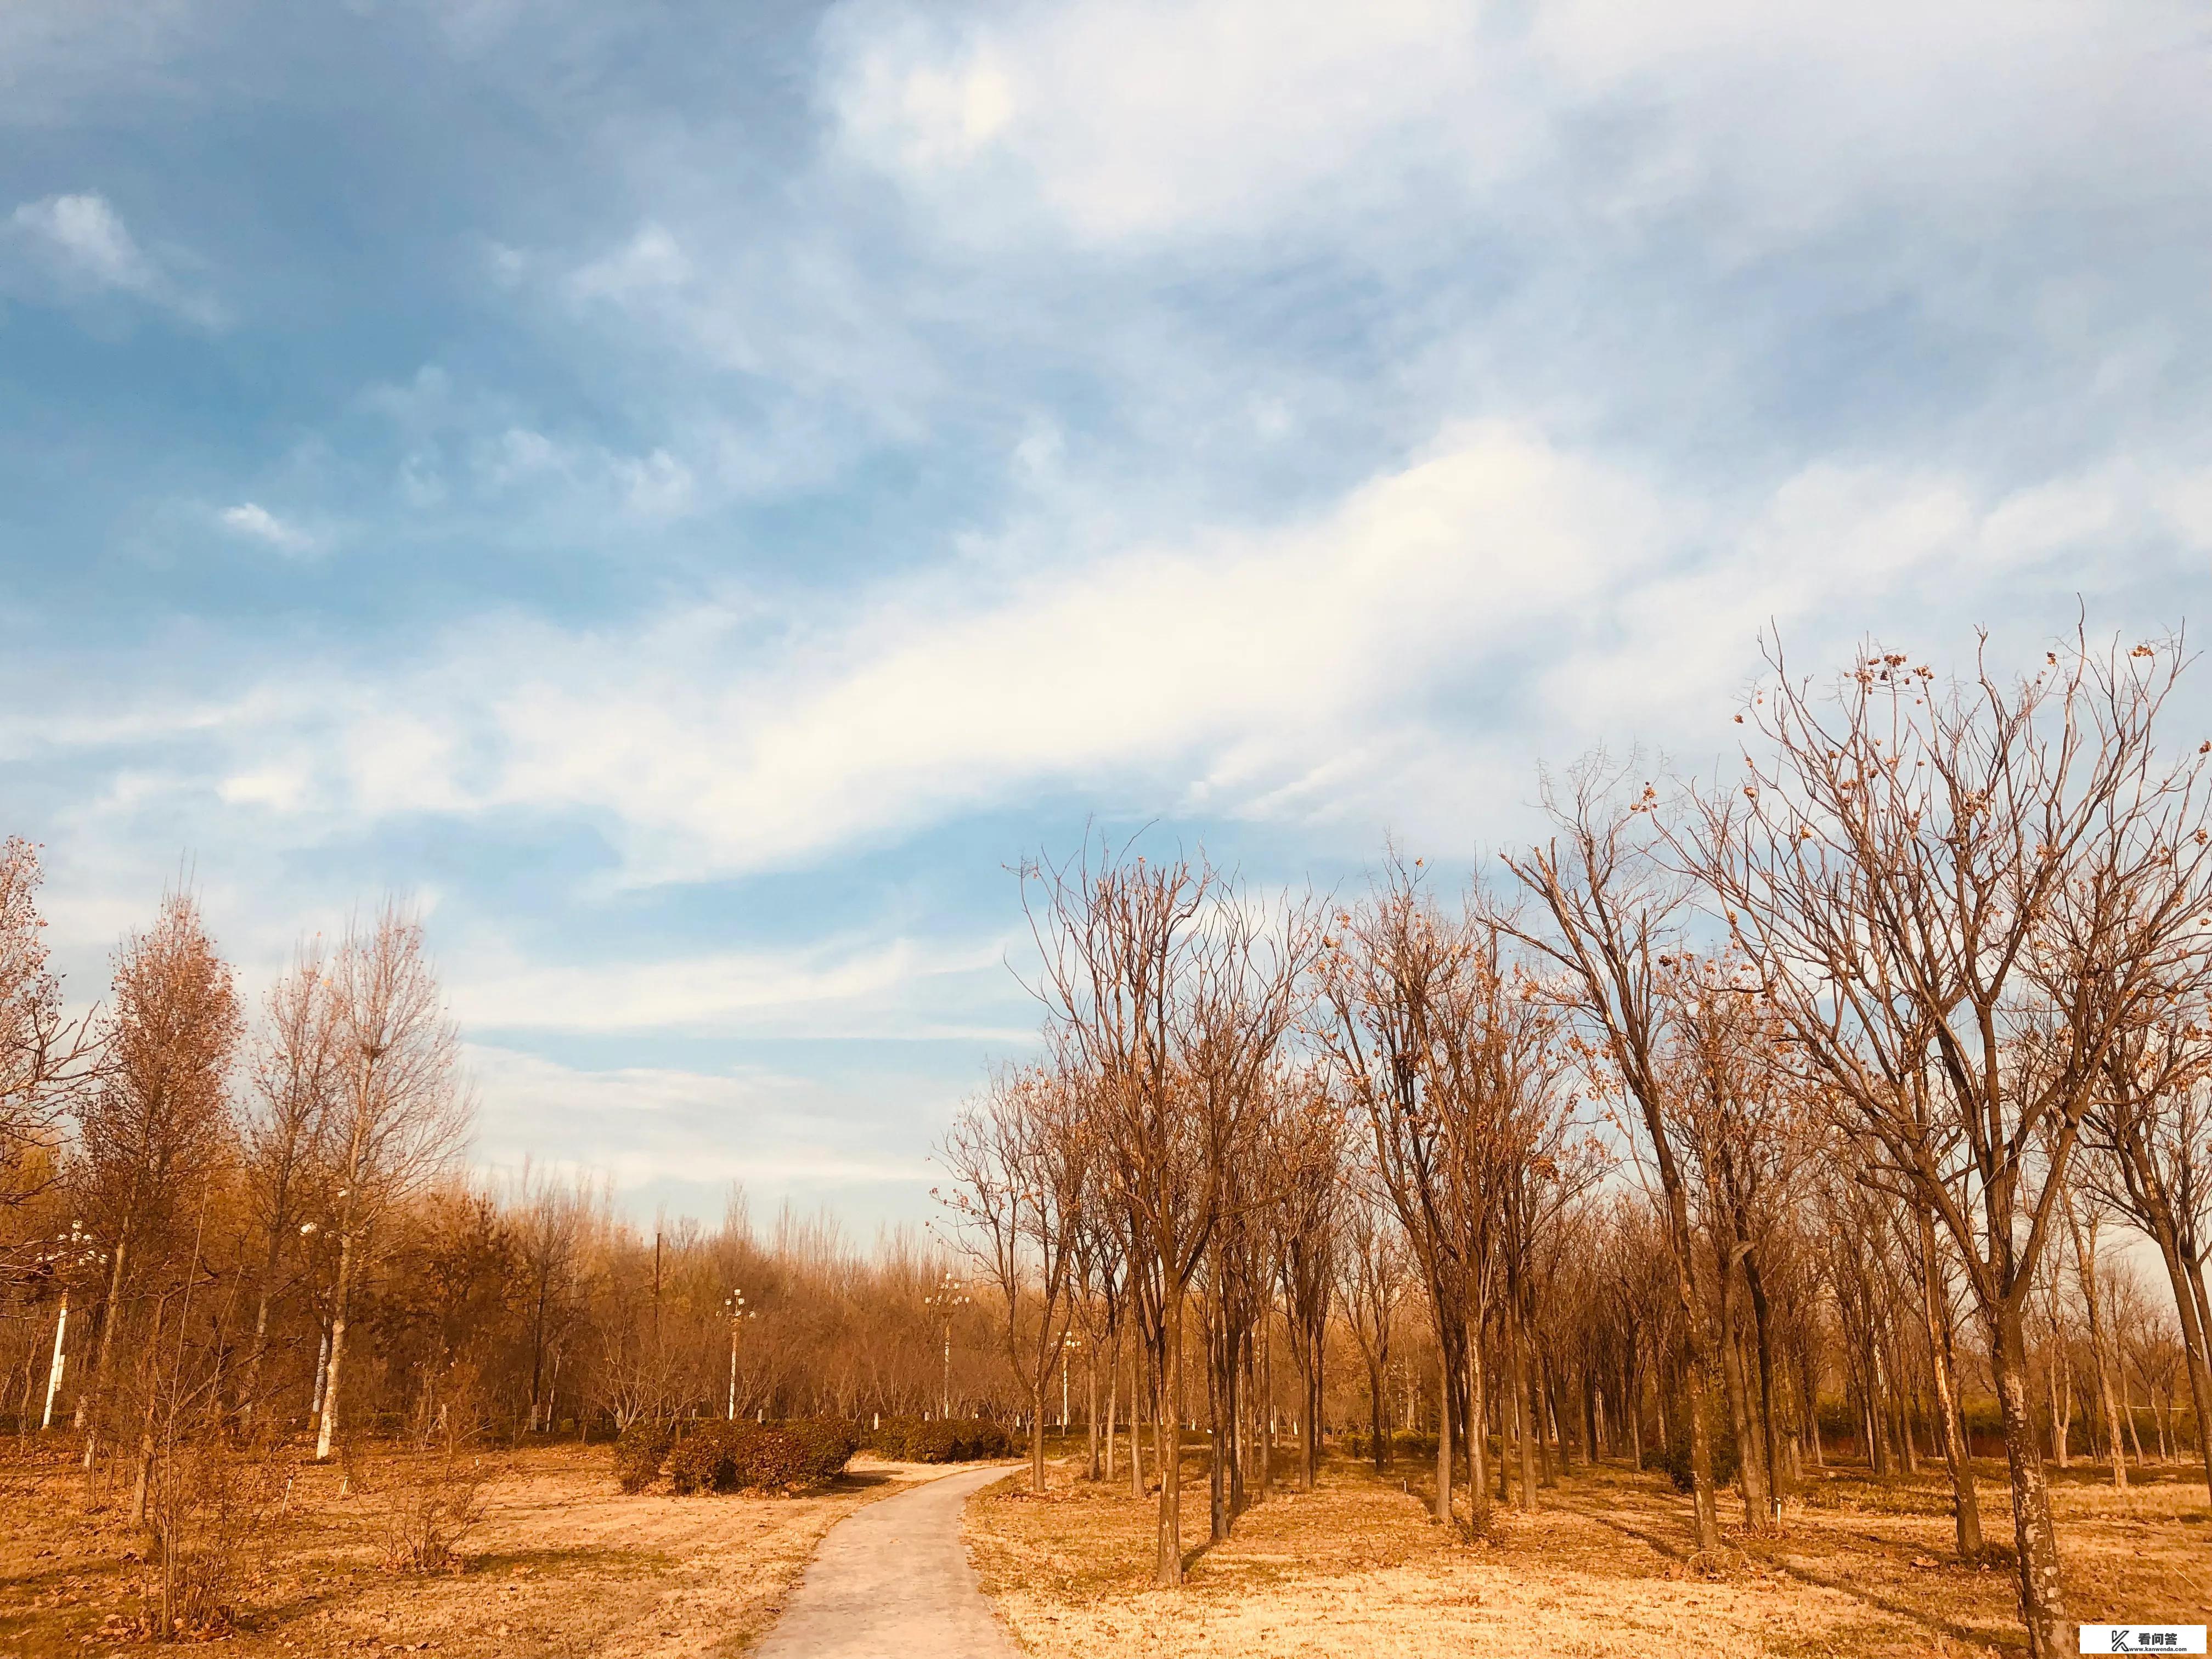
(1356, 1568)
(563, 1564)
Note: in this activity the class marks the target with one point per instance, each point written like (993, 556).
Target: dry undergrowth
(1356, 1569)
(561, 1563)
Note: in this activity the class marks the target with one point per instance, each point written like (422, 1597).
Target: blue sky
(692, 493)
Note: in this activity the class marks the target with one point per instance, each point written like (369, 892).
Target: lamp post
(69, 1252)
(948, 1297)
(734, 1305)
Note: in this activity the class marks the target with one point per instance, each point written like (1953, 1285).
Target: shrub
(760, 1457)
(640, 1451)
(700, 1462)
(1673, 1459)
(1405, 1446)
(939, 1440)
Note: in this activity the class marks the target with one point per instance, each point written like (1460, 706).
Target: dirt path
(892, 1582)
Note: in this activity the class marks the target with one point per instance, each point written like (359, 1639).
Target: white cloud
(84, 244)
(1419, 642)
(649, 263)
(727, 991)
(1139, 118)
(257, 523)
(646, 1126)
(657, 486)
(84, 233)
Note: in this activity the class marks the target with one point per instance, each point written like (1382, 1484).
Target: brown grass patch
(562, 1563)
(1357, 1568)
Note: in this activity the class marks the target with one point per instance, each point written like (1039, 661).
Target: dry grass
(1356, 1568)
(563, 1563)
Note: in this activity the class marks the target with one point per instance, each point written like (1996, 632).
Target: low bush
(1405, 1446)
(640, 1451)
(1673, 1459)
(940, 1439)
(760, 1457)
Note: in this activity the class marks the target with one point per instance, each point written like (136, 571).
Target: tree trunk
(2056, 1371)
(1965, 1506)
(326, 1428)
(1036, 1434)
(1167, 1445)
(1136, 1412)
(1634, 1411)
(1746, 1458)
(1090, 1410)
(2042, 1606)
(1516, 1360)
(1444, 1504)
(1478, 1428)
(1303, 1429)
(1217, 1363)
(2193, 1337)
(1762, 1333)
(93, 1401)
(1113, 1405)
(1379, 1442)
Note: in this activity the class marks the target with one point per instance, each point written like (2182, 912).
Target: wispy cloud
(657, 1127)
(849, 987)
(1121, 119)
(86, 248)
(257, 523)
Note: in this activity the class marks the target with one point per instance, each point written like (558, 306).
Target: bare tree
(46, 1058)
(296, 1079)
(1309, 1149)
(1394, 979)
(2152, 1125)
(1022, 1157)
(1371, 1274)
(1171, 993)
(1983, 887)
(1616, 912)
(401, 1116)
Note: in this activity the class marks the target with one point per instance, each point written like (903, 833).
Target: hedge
(640, 1451)
(939, 1440)
(787, 1456)
(1404, 1445)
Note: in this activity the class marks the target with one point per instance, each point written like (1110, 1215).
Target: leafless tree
(2152, 1128)
(1372, 1270)
(296, 1079)
(1984, 886)
(1615, 910)
(402, 1114)
(1395, 978)
(46, 1058)
(1022, 1159)
(1171, 993)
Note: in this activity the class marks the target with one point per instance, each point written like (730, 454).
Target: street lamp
(948, 1297)
(68, 1254)
(734, 1305)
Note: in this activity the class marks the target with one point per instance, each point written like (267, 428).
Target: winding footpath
(892, 1582)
